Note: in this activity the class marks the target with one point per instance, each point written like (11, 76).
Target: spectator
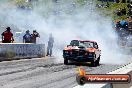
(123, 11)
(107, 4)
(50, 45)
(129, 19)
(119, 12)
(129, 12)
(130, 25)
(27, 37)
(129, 6)
(7, 36)
(98, 5)
(124, 24)
(118, 25)
(34, 36)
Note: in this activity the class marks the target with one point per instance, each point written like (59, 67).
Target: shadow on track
(81, 64)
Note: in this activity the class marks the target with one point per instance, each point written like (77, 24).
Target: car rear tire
(65, 61)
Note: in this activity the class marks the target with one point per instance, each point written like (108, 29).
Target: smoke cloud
(66, 20)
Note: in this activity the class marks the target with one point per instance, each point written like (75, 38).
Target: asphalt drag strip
(44, 73)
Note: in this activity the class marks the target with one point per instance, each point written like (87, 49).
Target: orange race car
(82, 51)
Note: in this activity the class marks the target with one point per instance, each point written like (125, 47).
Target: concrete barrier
(9, 51)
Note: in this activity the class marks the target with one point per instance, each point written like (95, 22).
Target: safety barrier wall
(12, 50)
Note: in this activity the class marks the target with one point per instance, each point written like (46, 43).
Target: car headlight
(91, 53)
(66, 52)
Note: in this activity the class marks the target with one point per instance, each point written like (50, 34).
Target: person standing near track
(34, 36)
(7, 36)
(50, 45)
(27, 37)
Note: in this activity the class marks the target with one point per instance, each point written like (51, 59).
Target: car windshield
(74, 43)
(86, 44)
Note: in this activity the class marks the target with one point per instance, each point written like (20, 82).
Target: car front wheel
(93, 63)
(65, 61)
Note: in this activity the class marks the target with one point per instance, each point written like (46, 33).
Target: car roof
(84, 40)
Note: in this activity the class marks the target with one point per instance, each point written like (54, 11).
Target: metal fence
(21, 50)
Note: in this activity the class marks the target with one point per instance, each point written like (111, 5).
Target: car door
(97, 50)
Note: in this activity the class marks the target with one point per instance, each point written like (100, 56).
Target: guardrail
(21, 50)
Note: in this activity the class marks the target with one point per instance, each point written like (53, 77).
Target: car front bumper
(80, 56)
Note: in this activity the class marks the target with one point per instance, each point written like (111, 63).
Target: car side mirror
(96, 46)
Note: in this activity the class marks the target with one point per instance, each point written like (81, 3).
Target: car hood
(71, 47)
(90, 49)
(79, 48)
